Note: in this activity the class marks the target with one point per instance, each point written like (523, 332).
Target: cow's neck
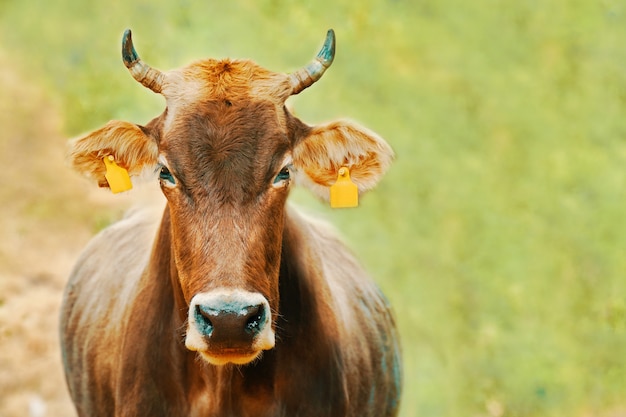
(301, 330)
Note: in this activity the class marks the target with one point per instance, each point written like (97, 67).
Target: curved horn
(149, 77)
(312, 72)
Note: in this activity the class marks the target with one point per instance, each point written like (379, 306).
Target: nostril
(254, 323)
(255, 318)
(203, 319)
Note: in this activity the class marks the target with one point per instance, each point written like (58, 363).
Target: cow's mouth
(222, 355)
(232, 356)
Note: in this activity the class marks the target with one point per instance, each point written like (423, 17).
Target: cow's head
(226, 151)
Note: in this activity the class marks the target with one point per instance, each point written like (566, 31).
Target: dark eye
(283, 175)
(166, 175)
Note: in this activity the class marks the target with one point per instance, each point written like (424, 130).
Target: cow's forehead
(226, 95)
(224, 104)
(225, 130)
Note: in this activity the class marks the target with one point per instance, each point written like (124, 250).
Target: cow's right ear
(131, 147)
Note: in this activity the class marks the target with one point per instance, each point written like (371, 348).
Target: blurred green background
(499, 233)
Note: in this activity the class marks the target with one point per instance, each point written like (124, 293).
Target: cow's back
(93, 315)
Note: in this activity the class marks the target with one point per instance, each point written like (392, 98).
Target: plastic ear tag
(344, 193)
(116, 176)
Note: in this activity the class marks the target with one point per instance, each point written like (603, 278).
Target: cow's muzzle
(229, 326)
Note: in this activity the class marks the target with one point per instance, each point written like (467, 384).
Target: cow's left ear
(129, 144)
(318, 157)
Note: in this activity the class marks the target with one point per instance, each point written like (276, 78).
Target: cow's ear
(131, 147)
(318, 157)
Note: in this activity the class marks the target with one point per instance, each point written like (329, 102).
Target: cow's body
(336, 352)
(234, 304)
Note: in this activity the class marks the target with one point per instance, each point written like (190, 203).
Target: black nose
(229, 325)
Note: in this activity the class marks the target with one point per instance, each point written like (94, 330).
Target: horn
(149, 77)
(312, 72)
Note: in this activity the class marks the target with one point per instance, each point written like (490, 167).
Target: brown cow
(235, 304)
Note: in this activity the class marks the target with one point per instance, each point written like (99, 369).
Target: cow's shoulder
(102, 283)
(109, 268)
(334, 269)
(338, 262)
(121, 245)
(359, 339)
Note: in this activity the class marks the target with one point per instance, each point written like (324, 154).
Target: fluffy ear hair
(131, 147)
(318, 157)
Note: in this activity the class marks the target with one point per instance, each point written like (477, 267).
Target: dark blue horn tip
(129, 55)
(327, 53)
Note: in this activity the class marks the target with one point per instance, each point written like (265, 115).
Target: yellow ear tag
(116, 176)
(344, 193)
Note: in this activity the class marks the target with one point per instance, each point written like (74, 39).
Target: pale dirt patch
(47, 214)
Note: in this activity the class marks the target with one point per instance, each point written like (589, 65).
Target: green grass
(499, 235)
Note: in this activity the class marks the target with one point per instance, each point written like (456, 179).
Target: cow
(229, 302)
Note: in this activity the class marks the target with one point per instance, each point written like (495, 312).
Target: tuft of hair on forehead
(227, 79)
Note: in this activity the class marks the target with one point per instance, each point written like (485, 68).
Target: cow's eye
(166, 175)
(283, 175)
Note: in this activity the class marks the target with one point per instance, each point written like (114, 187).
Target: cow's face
(226, 152)
(225, 166)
